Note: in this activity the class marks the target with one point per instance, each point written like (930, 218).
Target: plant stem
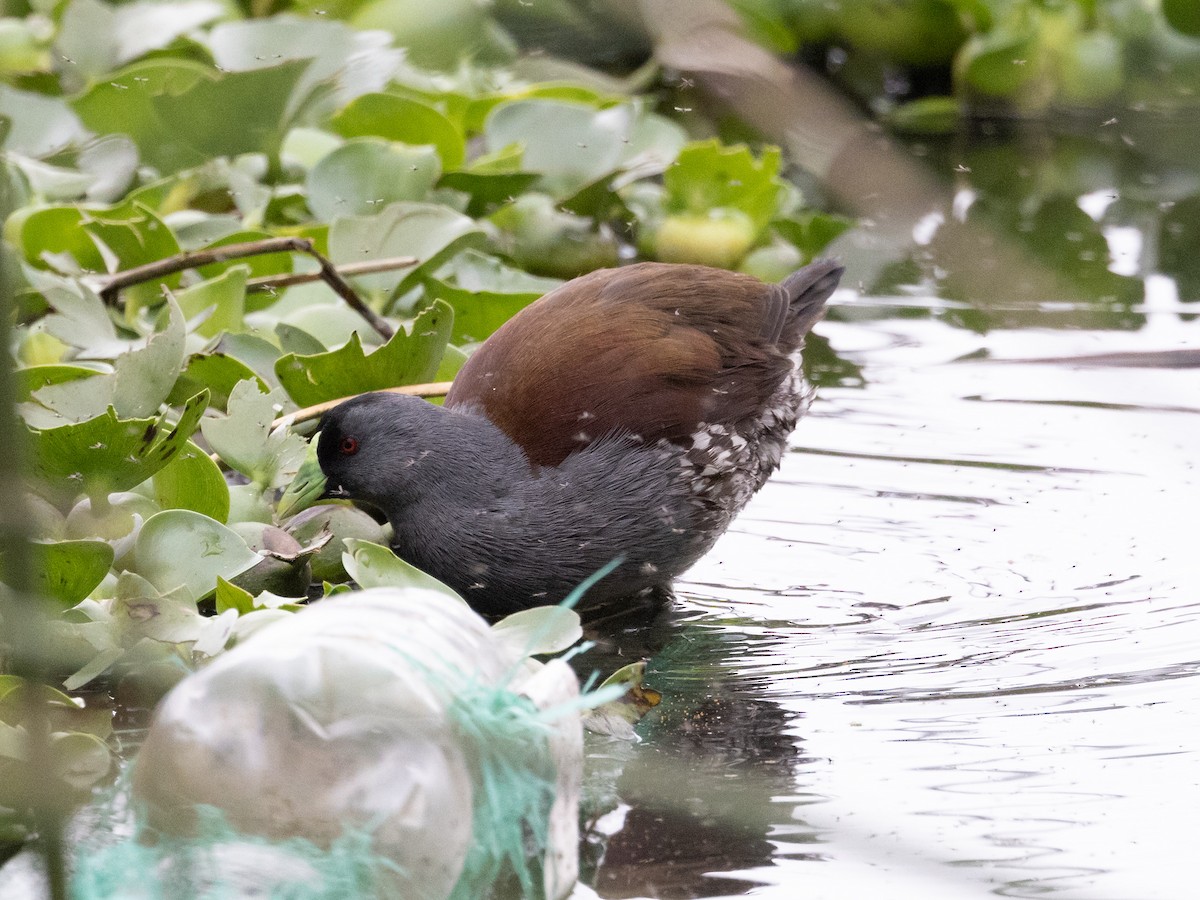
(114, 284)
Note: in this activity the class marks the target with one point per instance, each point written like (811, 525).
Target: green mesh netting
(505, 739)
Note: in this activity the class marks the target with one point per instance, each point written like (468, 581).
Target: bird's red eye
(348, 446)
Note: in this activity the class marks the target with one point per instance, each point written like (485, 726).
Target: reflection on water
(950, 650)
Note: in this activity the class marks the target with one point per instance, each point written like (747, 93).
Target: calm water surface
(950, 650)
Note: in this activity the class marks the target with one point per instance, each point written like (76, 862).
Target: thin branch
(434, 389)
(275, 282)
(196, 258)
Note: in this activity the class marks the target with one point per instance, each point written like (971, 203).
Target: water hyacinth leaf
(338, 522)
(253, 351)
(218, 373)
(100, 663)
(97, 37)
(71, 400)
(995, 63)
(365, 174)
(108, 454)
(79, 760)
(64, 713)
(306, 488)
(38, 124)
(927, 115)
(144, 377)
(373, 565)
(617, 717)
(112, 163)
(334, 321)
(488, 189)
(570, 145)
(484, 293)
(181, 114)
(67, 571)
(80, 317)
(224, 295)
(33, 378)
(408, 358)
(193, 481)
(428, 232)
(539, 236)
(71, 237)
(145, 616)
(245, 440)
(543, 629)
(230, 596)
(178, 548)
(343, 60)
(293, 339)
(405, 120)
(811, 232)
(708, 176)
(1183, 16)
(52, 183)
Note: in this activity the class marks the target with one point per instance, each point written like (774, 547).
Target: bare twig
(276, 282)
(434, 389)
(193, 259)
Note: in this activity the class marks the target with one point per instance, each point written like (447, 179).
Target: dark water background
(950, 650)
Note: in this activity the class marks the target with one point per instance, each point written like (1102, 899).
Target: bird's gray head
(394, 451)
(377, 447)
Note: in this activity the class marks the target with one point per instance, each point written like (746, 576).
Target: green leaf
(245, 440)
(178, 548)
(306, 488)
(405, 120)
(408, 358)
(108, 454)
(428, 232)
(80, 317)
(998, 63)
(365, 174)
(617, 717)
(296, 340)
(484, 293)
(38, 124)
(142, 610)
(64, 713)
(539, 236)
(34, 378)
(708, 176)
(230, 596)
(488, 189)
(373, 565)
(343, 61)
(215, 372)
(144, 377)
(1183, 16)
(79, 760)
(193, 481)
(181, 114)
(812, 232)
(253, 351)
(543, 629)
(570, 145)
(95, 239)
(69, 401)
(68, 571)
(98, 37)
(927, 115)
(225, 295)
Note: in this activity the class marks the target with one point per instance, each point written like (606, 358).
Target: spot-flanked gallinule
(631, 412)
